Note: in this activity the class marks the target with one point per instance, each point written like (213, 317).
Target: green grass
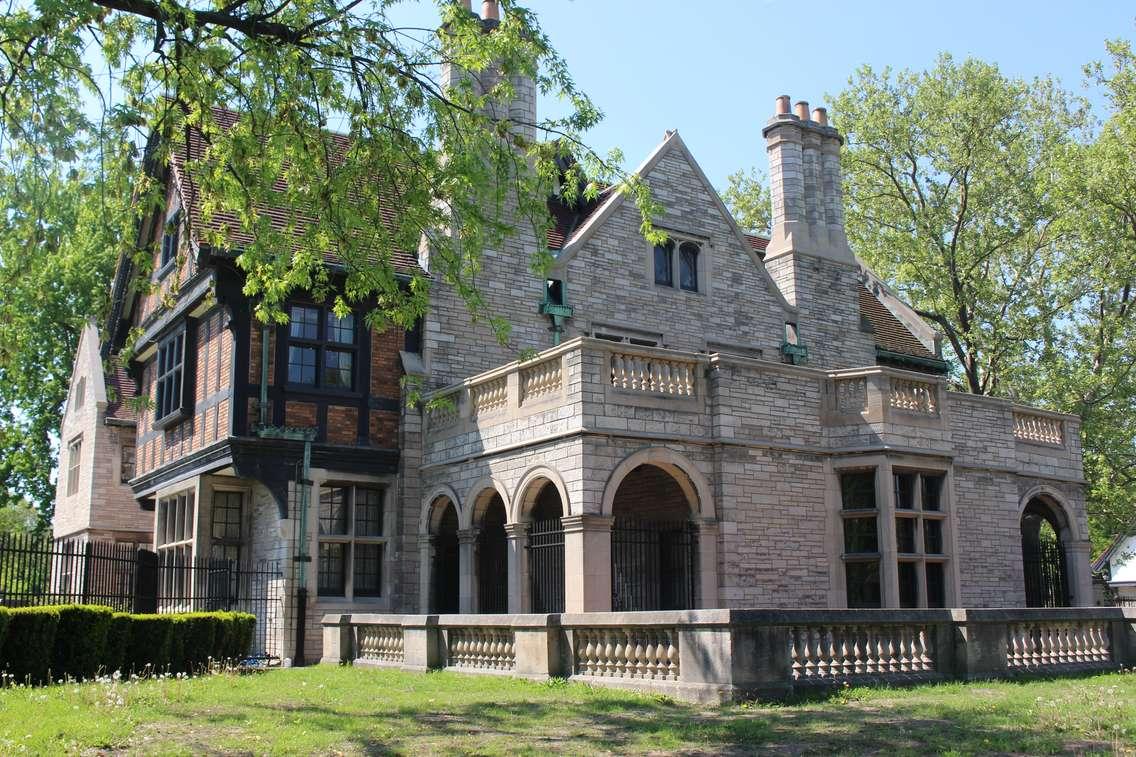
(366, 711)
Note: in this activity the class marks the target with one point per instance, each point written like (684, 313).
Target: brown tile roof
(758, 243)
(566, 219)
(120, 388)
(193, 148)
(890, 332)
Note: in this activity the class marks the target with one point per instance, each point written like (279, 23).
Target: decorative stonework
(381, 643)
(541, 380)
(1032, 646)
(481, 648)
(852, 395)
(1040, 429)
(913, 396)
(490, 396)
(642, 653)
(827, 652)
(652, 375)
(445, 414)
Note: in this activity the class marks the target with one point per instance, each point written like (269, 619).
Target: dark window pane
(905, 535)
(936, 586)
(858, 490)
(664, 273)
(932, 492)
(863, 583)
(337, 369)
(860, 536)
(302, 365)
(171, 354)
(303, 322)
(933, 536)
(904, 491)
(688, 266)
(908, 585)
(333, 510)
(331, 570)
(368, 512)
(340, 330)
(368, 570)
(227, 516)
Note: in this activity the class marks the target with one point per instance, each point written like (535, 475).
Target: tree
(747, 197)
(951, 183)
(414, 162)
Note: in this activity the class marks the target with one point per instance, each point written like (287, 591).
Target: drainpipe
(264, 378)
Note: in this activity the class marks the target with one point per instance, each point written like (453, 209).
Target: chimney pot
(782, 107)
(803, 110)
(490, 11)
(468, 5)
(820, 115)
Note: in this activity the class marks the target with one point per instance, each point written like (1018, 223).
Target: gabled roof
(120, 388)
(566, 219)
(891, 335)
(193, 147)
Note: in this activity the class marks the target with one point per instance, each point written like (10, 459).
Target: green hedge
(80, 641)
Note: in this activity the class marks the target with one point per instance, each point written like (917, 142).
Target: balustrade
(1032, 646)
(843, 651)
(1038, 428)
(481, 648)
(381, 643)
(642, 653)
(652, 374)
(540, 380)
(444, 413)
(489, 396)
(914, 396)
(852, 395)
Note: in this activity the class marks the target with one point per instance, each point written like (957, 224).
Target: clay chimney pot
(820, 115)
(782, 107)
(490, 11)
(803, 110)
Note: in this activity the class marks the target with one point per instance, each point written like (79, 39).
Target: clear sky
(712, 68)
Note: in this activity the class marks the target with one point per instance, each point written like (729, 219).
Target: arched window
(664, 264)
(688, 266)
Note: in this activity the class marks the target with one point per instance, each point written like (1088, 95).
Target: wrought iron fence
(37, 571)
(546, 565)
(1046, 581)
(653, 565)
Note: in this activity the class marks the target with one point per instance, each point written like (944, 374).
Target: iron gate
(546, 565)
(653, 565)
(1046, 579)
(492, 570)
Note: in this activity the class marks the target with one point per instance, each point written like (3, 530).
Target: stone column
(708, 564)
(467, 542)
(425, 571)
(517, 535)
(587, 563)
(885, 530)
(1080, 575)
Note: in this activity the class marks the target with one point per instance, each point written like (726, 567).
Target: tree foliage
(410, 164)
(747, 197)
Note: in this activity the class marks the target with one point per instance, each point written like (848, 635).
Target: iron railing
(546, 565)
(653, 565)
(1046, 579)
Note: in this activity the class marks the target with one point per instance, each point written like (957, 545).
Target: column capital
(586, 522)
(516, 530)
(468, 535)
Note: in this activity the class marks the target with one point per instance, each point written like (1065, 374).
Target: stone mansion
(720, 421)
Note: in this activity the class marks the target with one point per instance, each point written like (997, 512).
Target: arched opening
(653, 543)
(445, 568)
(546, 550)
(492, 556)
(1044, 536)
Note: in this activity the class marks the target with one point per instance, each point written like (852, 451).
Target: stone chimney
(521, 109)
(804, 173)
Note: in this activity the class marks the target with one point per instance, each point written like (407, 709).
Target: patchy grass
(366, 711)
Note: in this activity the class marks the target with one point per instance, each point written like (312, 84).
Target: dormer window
(682, 254)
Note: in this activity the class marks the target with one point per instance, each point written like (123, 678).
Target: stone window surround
(321, 478)
(704, 269)
(74, 463)
(885, 466)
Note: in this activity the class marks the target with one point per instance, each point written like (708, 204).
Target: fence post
(421, 642)
(145, 581)
(338, 640)
(980, 647)
(87, 563)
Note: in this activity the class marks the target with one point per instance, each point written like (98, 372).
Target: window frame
(349, 542)
(170, 240)
(323, 344)
(122, 463)
(848, 514)
(226, 542)
(176, 585)
(167, 414)
(673, 249)
(74, 464)
(920, 516)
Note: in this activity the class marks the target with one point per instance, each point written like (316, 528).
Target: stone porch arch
(484, 583)
(524, 497)
(1053, 506)
(439, 550)
(699, 494)
(536, 550)
(478, 496)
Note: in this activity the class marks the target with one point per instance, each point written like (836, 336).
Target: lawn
(364, 711)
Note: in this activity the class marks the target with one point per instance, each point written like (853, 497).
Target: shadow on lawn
(604, 723)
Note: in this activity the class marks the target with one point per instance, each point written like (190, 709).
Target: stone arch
(439, 552)
(694, 485)
(527, 491)
(1048, 535)
(1058, 505)
(427, 519)
(477, 499)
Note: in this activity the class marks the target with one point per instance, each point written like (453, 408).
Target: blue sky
(712, 68)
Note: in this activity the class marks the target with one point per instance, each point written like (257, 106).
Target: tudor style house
(723, 420)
